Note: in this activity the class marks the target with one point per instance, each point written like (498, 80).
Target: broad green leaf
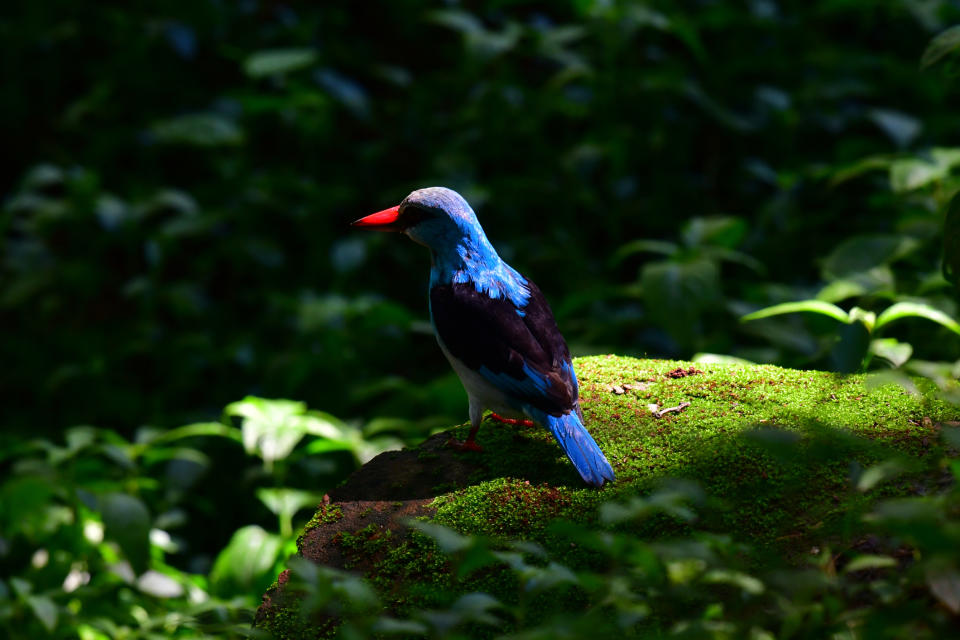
(942, 44)
(449, 540)
(274, 61)
(200, 130)
(877, 281)
(484, 42)
(271, 428)
(398, 626)
(246, 564)
(858, 168)
(867, 318)
(745, 582)
(723, 254)
(159, 585)
(891, 350)
(861, 563)
(287, 501)
(727, 232)
(915, 512)
(913, 173)
(675, 293)
(126, 521)
(944, 584)
(24, 503)
(852, 347)
(642, 246)
(476, 608)
(198, 429)
(457, 20)
(946, 157)
(901, 127)
(284, 503)
(809, 306)
(902, 310)
(878, 473)
(45, 610)
(862, 253)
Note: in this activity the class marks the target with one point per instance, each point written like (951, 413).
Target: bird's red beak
(385, 220)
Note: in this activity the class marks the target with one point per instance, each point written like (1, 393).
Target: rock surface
(774, 446)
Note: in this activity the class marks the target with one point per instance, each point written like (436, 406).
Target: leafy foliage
(177, 185)
(898, 578)
(100, 532)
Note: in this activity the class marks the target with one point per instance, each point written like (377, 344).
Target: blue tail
(579, 446)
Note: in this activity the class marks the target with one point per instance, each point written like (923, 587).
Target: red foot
(466, 445)
(513, 421)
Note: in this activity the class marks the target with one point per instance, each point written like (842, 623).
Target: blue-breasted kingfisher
(495, 328)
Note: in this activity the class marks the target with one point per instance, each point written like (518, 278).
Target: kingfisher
(495, 328)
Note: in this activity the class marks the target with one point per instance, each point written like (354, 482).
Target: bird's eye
(413, 215)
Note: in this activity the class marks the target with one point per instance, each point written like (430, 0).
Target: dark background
(178, 180)
(175, 230)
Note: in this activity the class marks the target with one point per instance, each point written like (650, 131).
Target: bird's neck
(472, 259)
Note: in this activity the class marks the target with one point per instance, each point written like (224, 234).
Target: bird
(495, 328)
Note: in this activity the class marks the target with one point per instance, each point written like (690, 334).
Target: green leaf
(246, 564)
(159, 585)
(878, 473)
(447, 539)
(45, 610)
(198, 429)
(126, 521)
(891, 350)
(862, 253)
(284, 503)
(722, 254)
(867, 318)
(944, 584)
(913, 173)
(809, 306)
(877, 281)
(396, 626)
(24, 503)
(200, 130)
(271, 428)
(861, 563)
(903, 310)
(720, 231)
(274, 61)
(642, 246)
(941, 44)
(745, 582)
(851, 350)
(858, 168)
(676, 292)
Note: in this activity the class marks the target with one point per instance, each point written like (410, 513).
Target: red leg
(513, 421)
(467, 445)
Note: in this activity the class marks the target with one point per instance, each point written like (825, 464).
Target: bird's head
(436, 217)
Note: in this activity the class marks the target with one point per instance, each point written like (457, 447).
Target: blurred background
(179, 179)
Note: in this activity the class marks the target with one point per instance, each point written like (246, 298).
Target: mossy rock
(774, 449)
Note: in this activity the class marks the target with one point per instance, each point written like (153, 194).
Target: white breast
(482, 394)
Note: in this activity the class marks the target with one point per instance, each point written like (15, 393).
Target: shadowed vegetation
(767, 181)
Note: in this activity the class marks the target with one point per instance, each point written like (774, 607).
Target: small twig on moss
(659, 413)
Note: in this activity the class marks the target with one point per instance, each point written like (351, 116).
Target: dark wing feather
(522, 353)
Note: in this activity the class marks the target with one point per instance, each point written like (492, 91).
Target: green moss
(812, 427)
(363, 544)
(773, 449)
(325, 514)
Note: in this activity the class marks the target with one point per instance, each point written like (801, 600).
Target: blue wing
(519, 350)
